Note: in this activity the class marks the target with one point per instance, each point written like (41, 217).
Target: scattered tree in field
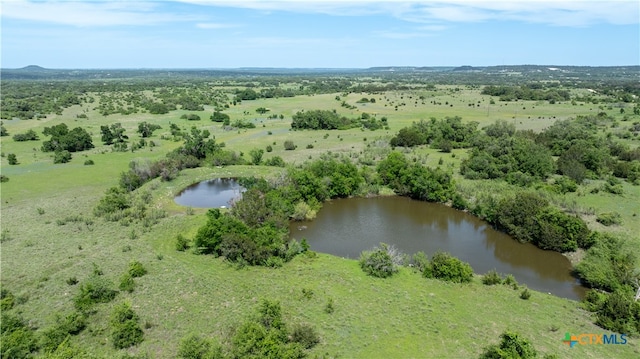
(219, 116)
(12, 159)
(146, 129)
(256, 156)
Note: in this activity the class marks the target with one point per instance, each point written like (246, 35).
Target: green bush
(89, 163)
(378, 262)
(448, 268)
(7, 299)
(125, 328)
(96, 289)
(127, 284)
(196, 347)
(492, 278)
(182, 243)
(72, 324)
(620, 313)
(12, 158)
(420, 261)
(136, 269)
(305, 335)
(525, 294)
(289, 145)
(18, 340)
(609, 218)
(511, 346)
(63, 156)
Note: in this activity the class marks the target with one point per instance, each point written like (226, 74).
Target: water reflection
(346, 227)
(214, 193)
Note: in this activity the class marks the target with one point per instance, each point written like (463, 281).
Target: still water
(346, 227)
(214, 193)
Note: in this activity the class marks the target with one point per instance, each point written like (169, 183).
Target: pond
(215, 193)
(346, 227)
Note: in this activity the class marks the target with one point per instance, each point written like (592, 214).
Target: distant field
(404, 316)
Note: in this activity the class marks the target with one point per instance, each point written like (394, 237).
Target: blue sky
(327, 34)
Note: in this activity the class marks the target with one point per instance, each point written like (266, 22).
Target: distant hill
(471, 74)
(32, 68)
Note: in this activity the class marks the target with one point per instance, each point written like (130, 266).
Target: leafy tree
(146, 129)
(256, 156)
(517, 215)
(219, 116)
(3, 131)
(198, 144)
(12, 159)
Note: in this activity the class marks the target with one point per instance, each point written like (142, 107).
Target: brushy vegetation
(381, 262)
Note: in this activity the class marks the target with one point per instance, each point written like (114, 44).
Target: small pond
(346, 227)
(215, 193)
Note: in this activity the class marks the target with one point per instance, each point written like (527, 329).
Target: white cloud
(84, 14)
(213, 25)
(559, 13)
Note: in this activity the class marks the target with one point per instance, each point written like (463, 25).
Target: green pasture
(405, 316)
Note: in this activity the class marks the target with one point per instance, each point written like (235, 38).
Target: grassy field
(51, 235)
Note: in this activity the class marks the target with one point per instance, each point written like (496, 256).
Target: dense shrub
(305, 335)
(492, 277)
(321, 120)
(96, 289)
(378, 262)
(196, 347)
(620, 313)
(72, 324)
(608, 264)
(127, 284)
(30, 135)
(415, 180)
(136, 269)
(609, 218)
(289, 145)
(511, 346)
(12, 159)
(18, 340)
(62, 156)
(448, 268)
(182, 243)
(275, 161)
(125, 327)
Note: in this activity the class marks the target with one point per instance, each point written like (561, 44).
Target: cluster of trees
(64, 141)
(532, 91)
(414, 180)
(525, 157)
(504, 153)
(444, 134)
(330, 120)
(256, 229)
